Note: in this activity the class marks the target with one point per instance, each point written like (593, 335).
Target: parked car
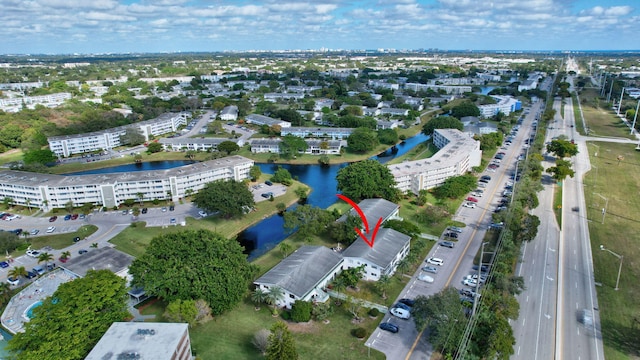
(31, 274)
(76, 239)
(172, 207)
(268, 183)
(408, 302)
(74, 216)
(38, 270)
(202, 213)
(485, 177)
(400, 313)
(145, 210)
(164, 209)
(13, 281)
(435, 261)
(448, 244)
(63, 259)
(4, 264)
(82, 251)
(450, 234)
(469, 205)
(53, 218)
(402, 306)
(82, 216)
(34, 232)
(430, 269)
(67, 217)
(124, 212)
(33, 253)
(469, 282)
(387, 326)
(455, 229)
(51, 229)
(426, 278)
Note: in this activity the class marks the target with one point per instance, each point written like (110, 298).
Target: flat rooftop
(105, 258)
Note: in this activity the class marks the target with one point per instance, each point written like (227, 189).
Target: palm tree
(65, 255)
(17, 271)
(403, 265)
(273, 296)
(259, 296)
(28, 203)
(140, 197)
(285, 249)
(168, 196)
(138, 158)
(338, 284)
(188, 192)
(383, 284)
(191, 154)
(45, 257)
(7, 201)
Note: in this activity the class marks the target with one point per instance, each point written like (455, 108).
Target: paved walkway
(383, 309)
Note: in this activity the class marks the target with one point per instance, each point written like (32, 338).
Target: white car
(202, 213)
(435, 261)
(33, 253)
(469, 205)
(13, 281)
(401, 313)
(469, 282)
(51, 229)
(426, 278)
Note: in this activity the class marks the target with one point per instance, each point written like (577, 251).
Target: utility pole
(635, 117)
(620, 102)
(610, 90)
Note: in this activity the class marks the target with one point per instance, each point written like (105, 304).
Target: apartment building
(458, 153)
(504, 104)
(68, 145)
(448, 89)
(196, 144)
(48, 191)
(135, 340)
(16, 104)
(324, 132)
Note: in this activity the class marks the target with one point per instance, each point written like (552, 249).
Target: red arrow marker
(364, 221)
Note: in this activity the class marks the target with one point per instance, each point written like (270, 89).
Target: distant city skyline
(156, 26)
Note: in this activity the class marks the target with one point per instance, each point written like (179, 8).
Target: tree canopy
(367, 179)
(131, 137)
(561, 170)
(41, 156)
(192, 265)
(154, 147)
(228, 147)
(455, 187)
(281, 344)
(69, 323)
(441, 122)
(307, 219)
(292, 145)
(362, 140)
(388, 136)
(465, 108)
(228, 197)
(282, 176)
(562, 148)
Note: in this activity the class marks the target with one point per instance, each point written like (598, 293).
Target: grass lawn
(421, 151)
(557, 204)
(577, 115)
(619, 183)
(229, 336)
(601, 121)
(60, 241)
(11, 155)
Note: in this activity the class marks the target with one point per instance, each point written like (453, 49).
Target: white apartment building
(258, 119)
(68, 145)
(449, 89)
(458, 153)
(197, 144)
(314, 146)
(229, 113)
(324, 132)
(48, 191)
(16, 104)
(505, 105)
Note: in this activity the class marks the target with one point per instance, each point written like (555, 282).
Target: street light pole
(475, 296)
(606, 206)
(619, 267)
(635, 117)
(620, 102)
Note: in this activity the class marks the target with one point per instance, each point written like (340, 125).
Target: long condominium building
(68, 145)
(47, 191)
(458, 153)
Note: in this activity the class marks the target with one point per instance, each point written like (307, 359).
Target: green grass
(601, 121)
(619, 183)
(228, 336)
(10, 156)
(557, 203)
(577, 115)
(61, 241)
(421, 151)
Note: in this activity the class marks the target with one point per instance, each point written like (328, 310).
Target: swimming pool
(29, 312)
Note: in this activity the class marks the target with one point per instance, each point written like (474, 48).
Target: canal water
(266, 234)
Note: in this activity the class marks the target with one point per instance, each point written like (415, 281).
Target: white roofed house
(258, 119)
(229, 113)
(303, 275)
(388, 249)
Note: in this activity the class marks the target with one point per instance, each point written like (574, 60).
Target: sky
(155, 26)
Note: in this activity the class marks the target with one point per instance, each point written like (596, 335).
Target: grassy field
(557, 204)
(601, 121)
(421, 151)
(11, 155)
(60, 241)
(619, 184)
(577, 115)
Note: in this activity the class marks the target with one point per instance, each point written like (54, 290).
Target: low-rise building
(197, 144)
(314, 146)
(258, 119)
(147, 340)
(303, 275)
(457, 154)
(504, 104)
(389, 248)
(48, 191)
(318, 132)
(229, 113)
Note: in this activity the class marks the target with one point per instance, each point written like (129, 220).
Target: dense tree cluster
(192, 265)
(362, 140)
(367, 179)
(441, 122)
(228, 198)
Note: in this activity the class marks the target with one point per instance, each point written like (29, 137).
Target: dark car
(408, 302)
(402, 306)
(389, 327)
(51, 266)
(268, 182)
(4, 264)
(76, 239)
(74, 216)
(448, 244)
(53, 218)
(31, 274)
(67, 217)
(16, 231)
(83, 251)
(172, 207)
(144, 210)
(451, 235)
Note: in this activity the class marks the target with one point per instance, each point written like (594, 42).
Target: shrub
(261, 340)
(301, 311)
(360, 332)
(286, 315)
(374, 312)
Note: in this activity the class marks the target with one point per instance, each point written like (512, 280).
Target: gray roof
(231, 109)
(105, 258)
(261, 119)
(387, 245)
(373, 210)
(199, 141)
(150, 340)
(301, 271)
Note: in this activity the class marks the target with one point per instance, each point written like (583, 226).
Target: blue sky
(120, 26)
